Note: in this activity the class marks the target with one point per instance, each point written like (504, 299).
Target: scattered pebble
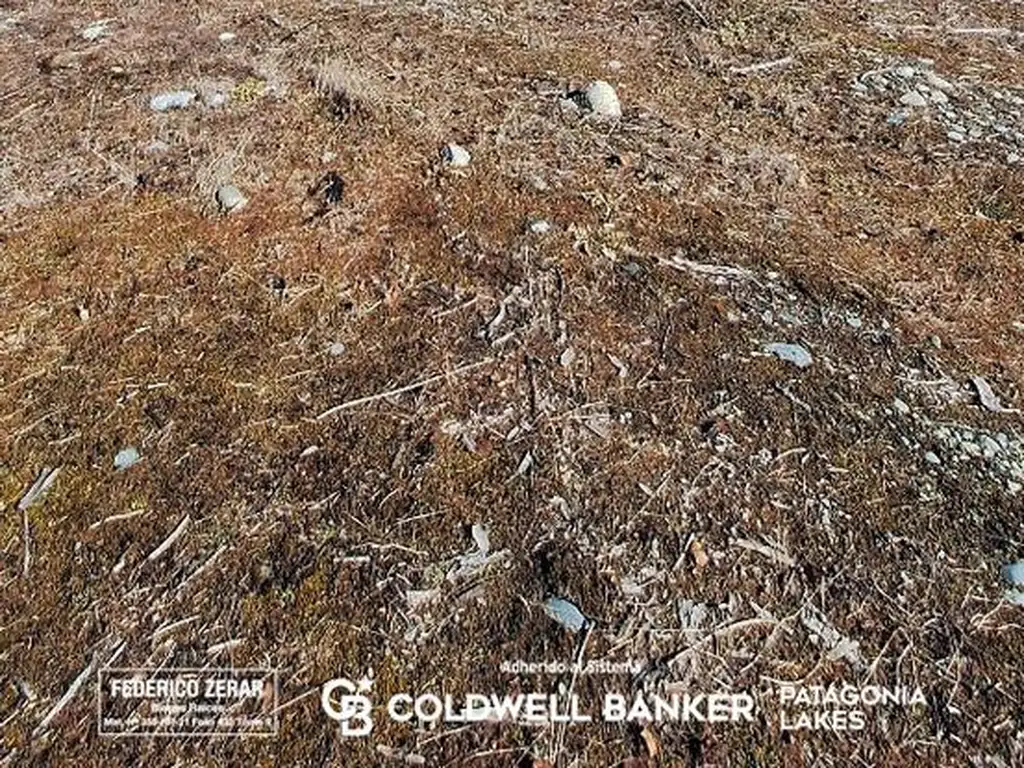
(792, 353)
(602, 99)
(169, 100)
(1013, 574)
(897, 117)
(901, 407)
(913, 99)
(456, 156)
(565, 613)
(216, 99)
(939, 83)
(988, 398)
(336, 349)
(931, 458)
(227, 37)
(540, 227)
(230, 199)
(96, 30)
(126, 457)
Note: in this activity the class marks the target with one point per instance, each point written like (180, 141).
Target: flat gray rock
(796, 354)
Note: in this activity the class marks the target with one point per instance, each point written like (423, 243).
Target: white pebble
(913, 99)
(168, 100)
(540, 227)
(226, 37)
(602, 99)
(456, 156)
(230, 199)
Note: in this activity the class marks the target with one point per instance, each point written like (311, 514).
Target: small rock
(540, 227)
(216, 99)
(971, 449)
(614, 65)
(565, 613)
(169, 100)
(96, 30)
(901, 407)
(938, 97)
(791, 353)
(913, 99)
(337, 349)
(1013, 573)
(456, 156)
(602, 99)
(906, 71)
(989, 447)
(897, 117)
(931, 458)
(988, 398)
(227, 37)
(956, 136)
(126, 458)
(157, 146)
(568, 357)
(939, 83)
(1013, 487)
(230, 199)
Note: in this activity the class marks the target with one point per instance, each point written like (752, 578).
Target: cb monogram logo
(352, 709)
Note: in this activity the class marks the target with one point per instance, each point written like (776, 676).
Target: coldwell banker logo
(348, 703)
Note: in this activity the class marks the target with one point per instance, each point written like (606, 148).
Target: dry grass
(133, 314)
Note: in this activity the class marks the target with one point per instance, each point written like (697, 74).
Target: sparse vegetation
(596, 393)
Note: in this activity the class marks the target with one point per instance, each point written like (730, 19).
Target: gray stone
(126, 457)
(931, 458)
(901, 407)
(540, 227)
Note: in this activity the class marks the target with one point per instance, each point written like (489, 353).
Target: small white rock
(168, 100)
(226, 37)
(540, 227)
(906, 71)
(956, 136)
(230, 199)
(913, 99)
(337, 349)
(936, 82)
(603, 100)
(938, 97)
(126, 458)
(215, 99)
(456, 156)
(96, 30)
(931, 458)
